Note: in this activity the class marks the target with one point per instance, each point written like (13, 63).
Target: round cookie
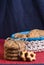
(12, 58)
(33, 33)
(11, 49)
(13, 52)
(18, 35)
(11, 44)
(41, 32)
(15, 55)
(21, 45)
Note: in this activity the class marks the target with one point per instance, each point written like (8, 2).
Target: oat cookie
(33, 33)
(13, 52)
(11, 44)
(15, 55)
(21, 44)
(11, 58)
(18, 35)
(11, 49)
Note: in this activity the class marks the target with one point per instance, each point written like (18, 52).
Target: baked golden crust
(18, 35)
(21, 45)
(12, 55)
(11, 58)
(35, 33)
(13, 51)
(11, 44)
(31, 56)
(22, 55)
(28, 55)
(12, 48)
(32, 34)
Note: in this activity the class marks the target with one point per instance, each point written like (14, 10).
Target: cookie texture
(11, 44)
(33, 33)
(11, 49)
(18, 35)
(31, 56)
(21, 44)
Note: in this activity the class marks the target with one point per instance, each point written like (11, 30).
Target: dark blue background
(20, 15)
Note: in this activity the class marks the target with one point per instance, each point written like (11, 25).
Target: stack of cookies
(11, 49)
(16, 50)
